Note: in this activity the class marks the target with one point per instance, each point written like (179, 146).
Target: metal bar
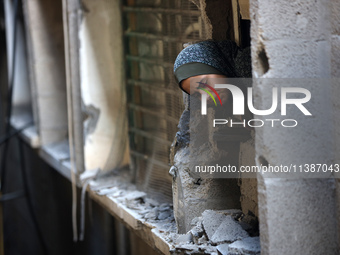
(161, 10)
(150, 61)
(149, 136)
(165, 38)
(146, 157)
(152, 112)
(152, 86)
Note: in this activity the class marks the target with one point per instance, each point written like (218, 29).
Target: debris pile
(225, 232)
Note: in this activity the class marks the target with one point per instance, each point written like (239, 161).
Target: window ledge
(20, 118)
(131, 207)
(57, 155)
(155, 232)
(120, 198)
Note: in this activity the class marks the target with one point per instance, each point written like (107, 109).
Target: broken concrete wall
(291, 40)
(44, 25)
(192, 198)
(219, 15)
(193, 195)
(103, 85)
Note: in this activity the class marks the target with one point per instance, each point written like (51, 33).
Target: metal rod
(152, 112)
(154, 86)
(162, 10)
(146, 157)
(164, 38)
(150, 61)
(149, 136)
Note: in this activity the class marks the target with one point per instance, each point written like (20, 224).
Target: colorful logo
(208, 92)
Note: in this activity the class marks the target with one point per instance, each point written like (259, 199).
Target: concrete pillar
(291, 39)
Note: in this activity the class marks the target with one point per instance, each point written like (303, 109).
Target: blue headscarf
(212, 57)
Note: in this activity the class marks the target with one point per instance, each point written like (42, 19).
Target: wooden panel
(244, 9)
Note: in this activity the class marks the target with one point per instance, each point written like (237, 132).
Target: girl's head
(211, 59)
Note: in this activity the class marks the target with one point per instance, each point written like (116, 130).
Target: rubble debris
(152, 214)
(221, 228)
(107, 191)
(246, 246)
(135, 195)
(229, 231)
(202, 240)
(197, 232)
(223, 249)
(191, 249)
(245, 226)
(211, 221)
(195, 220)
(250, 223)
(186, 238)
(235, 213)
(164, 215)
(213, 232)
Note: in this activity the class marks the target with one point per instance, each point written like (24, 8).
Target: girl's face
(204, 78)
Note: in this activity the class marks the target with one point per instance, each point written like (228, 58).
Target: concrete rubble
(214, 232)
(223, 249)
(228, 231)
(250, 245)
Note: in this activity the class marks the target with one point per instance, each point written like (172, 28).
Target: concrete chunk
(223, 249)
(229, 231)
(211, 221)
(246, 246)
(187, 238)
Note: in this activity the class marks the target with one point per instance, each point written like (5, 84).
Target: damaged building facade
(99, 112)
